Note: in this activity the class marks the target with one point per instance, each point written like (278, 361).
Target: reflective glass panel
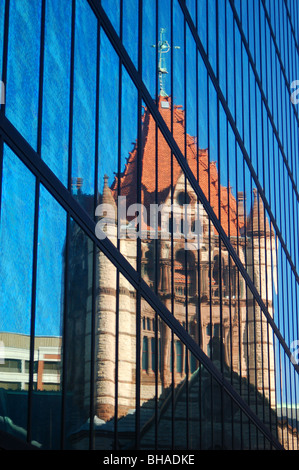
(47, 397)
(56, 88)
(16, 260)
(22, 86)
(173, 126)
(84, 105)
(78, 320)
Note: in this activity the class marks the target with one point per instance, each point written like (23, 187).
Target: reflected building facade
(149, 220)
(195, 280)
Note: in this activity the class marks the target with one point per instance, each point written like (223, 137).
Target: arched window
(179, 356)
(219, 277)
(145, 353)
(154, 358)
(184, 272)
(183, 198)
(216, 271)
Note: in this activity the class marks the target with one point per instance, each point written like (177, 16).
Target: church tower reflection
(201, 287)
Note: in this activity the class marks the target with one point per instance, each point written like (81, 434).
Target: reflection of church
(200, 285)
(219, 310)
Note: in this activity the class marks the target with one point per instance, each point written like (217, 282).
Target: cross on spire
(163, 48)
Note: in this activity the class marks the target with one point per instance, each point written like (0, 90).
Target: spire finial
(163, 48)
(106, 177)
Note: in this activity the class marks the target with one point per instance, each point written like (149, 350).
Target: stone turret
(107, 326)
(262, 268)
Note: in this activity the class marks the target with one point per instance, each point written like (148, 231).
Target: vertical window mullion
(3, 78)
(94, 270)
(172, 352)
(68, 231)
(36, 216)
(139, 173)
(156, 261)
(117, 300)
(220, 277)
(209, 86)
(198, 312)
(156, 329)
(184, 214)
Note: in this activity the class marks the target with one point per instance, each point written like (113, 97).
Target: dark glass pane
(47, 399)
(127, 366)
(165, 388)
(180, 383)
(145, 357)
(149, 377)
(77, 353)
(194, 404)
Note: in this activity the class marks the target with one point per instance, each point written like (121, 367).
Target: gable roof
(156, 185)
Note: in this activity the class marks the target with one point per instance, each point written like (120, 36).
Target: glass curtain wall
(149, 224)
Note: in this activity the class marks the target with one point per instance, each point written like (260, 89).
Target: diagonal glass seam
(291, 23)
(32, 160)
(263, 96)
(4, 51)
(277, 49)
(113, 37)
(239, 140)
(185, 167)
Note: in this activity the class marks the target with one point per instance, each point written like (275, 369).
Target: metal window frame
(11, 137)
(114, 39)
(276, 134)
(32, 160)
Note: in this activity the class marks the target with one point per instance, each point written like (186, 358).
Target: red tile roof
(198, 161)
